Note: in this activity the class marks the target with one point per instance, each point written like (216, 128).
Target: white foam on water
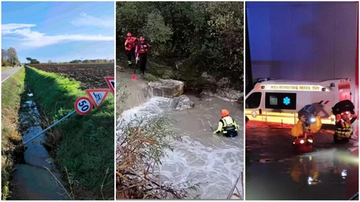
(214, 167)
(150, 109)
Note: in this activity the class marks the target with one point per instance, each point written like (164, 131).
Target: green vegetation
(12, 89)
(32, 61)
(6, 68)
(142, 144)
(83, 146)
(150, 77)
(187, 39)
(9, 57)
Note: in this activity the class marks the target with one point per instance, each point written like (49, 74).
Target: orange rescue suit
(297, 130)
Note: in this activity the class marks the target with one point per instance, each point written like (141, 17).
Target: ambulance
(278, 101)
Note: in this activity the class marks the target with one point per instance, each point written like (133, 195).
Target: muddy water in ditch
(211, 161)
(31, 180)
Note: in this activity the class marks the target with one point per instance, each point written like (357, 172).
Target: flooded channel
(211, 161)
(35, 178)
(275, 172)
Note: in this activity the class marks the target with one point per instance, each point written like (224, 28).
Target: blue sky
(58, 31)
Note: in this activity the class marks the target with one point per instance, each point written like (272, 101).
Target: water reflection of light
(344, 174)
(312, 181)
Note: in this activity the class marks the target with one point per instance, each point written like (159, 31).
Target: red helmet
(128, 34)
(224, 113)
(142, 39)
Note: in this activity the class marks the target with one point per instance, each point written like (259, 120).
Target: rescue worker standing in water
(130, 45)
(141, 54)
(306, 127)
(343, 126)
(227, 125)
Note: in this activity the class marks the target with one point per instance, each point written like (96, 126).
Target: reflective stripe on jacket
(344, 131)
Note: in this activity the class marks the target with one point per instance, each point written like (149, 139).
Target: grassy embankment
(155, 71)
(3, 68)
(12, 89)
(82, 146)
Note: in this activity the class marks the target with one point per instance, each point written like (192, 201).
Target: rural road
(7, 73)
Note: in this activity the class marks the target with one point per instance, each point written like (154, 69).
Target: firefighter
(141, 54)
(227, 125)
(307, 124)
(344, 129)
(130, 46)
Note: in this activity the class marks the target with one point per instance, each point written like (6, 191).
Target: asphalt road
(275, 172)
(7, 73)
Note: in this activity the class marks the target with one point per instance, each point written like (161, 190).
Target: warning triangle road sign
(111, 83)
(97, 96)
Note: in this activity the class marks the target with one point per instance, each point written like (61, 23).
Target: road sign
(111, 83)
(83, 105)
(97, 96)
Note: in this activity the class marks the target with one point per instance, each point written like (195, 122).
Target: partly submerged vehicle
(278, 101)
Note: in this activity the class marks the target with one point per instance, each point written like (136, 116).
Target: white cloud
(36, 39)
(6, 28)
(88, 20)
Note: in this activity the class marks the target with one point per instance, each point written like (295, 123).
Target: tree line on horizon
(9, 57)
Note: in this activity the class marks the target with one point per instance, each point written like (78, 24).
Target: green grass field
(82, 145)
(12, 89)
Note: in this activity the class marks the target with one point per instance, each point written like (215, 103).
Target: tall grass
(83, 145)
(12, 89)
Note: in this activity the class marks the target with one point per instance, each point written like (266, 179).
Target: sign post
(83, 105)
(97, 96)
(63, 118)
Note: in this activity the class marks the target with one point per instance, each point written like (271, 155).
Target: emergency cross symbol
(286, 100)
(97, 96)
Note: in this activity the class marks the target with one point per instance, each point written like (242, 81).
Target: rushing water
(212, 161)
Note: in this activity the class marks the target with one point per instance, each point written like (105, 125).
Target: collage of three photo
(201, 100)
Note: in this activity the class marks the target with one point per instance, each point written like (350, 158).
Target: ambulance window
(253, 101)
(280, 100)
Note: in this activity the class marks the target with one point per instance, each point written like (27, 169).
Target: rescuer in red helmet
(141, 52)
(227, 125)
(130, 46)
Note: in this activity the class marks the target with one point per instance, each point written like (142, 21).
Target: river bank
(212, 162)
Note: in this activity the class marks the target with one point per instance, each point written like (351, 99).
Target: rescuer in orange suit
(306, 125)
(130, 45)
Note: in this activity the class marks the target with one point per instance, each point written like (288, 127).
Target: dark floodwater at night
(274, 171)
